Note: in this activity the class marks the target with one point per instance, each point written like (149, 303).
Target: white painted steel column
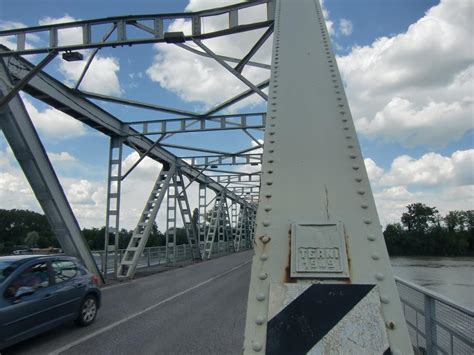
(315, 193)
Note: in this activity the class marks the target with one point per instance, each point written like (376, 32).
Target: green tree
(455, 220)
(419, 217)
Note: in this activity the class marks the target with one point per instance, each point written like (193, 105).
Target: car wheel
(87, 312)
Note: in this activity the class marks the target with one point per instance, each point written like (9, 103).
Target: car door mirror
(23, 291)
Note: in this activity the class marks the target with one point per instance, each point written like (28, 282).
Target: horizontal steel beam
(52, 92)
(237, 178)
(212, 123)
(133, 29)
(245, 190)
(215, 160)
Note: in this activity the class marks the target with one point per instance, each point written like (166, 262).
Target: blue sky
(405, 64)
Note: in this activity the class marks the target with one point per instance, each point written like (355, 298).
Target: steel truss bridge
(320, 266)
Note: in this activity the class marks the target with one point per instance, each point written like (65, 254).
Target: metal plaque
(318, 251)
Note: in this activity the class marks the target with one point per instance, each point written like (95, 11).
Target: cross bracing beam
(237, 178)
(239, 159)
(234, 72)
(210, 123)
(197, 149)
(245, 190)
(245, 60)
(242, 184)
(236, 98)
(223, 57)
(52, 92)
(135, 103)
(151, 28)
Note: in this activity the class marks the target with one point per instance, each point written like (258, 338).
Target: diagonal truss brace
(191, 229)
(245, 60)
(142, 231)
(16, 89)
(31, 155)
(223, 57)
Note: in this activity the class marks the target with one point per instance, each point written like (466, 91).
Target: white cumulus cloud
(446, 182)
(416, 87)
(54, 123)
(202, 80)
(102, 75)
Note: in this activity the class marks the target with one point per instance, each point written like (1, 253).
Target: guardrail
(154, 256)
(436, 324)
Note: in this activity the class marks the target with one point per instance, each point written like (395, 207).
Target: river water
(449, 277)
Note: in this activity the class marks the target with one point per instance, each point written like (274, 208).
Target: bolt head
(256, 346)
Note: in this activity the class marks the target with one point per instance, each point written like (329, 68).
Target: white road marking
(113, 325)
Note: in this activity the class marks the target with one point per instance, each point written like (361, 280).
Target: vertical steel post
(202, 216)
(430, 325)
(170, 234)
(112, 214)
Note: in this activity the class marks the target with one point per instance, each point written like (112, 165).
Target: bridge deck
(197, 309)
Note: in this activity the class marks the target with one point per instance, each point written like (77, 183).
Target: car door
(69, 287)
(26, 316)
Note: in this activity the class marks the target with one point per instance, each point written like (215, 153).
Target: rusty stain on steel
(349, 261)
(287, 277)
(327, 201)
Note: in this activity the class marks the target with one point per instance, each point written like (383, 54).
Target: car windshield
(6, 268)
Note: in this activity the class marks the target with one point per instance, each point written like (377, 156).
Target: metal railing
(155, 256)
(436, 324)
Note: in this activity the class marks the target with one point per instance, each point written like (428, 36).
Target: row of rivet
(371, 238)
(260, 296)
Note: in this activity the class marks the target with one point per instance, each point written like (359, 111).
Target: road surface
(197, 309)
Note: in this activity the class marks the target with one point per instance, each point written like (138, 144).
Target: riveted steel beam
(211, 123)
(127, 27)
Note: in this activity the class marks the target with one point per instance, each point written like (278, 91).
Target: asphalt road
(197, 309)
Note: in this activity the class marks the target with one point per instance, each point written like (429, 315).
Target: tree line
(23, 229)
(421, 231)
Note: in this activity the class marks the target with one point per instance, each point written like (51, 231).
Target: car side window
(35, 276)
(64, 270)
